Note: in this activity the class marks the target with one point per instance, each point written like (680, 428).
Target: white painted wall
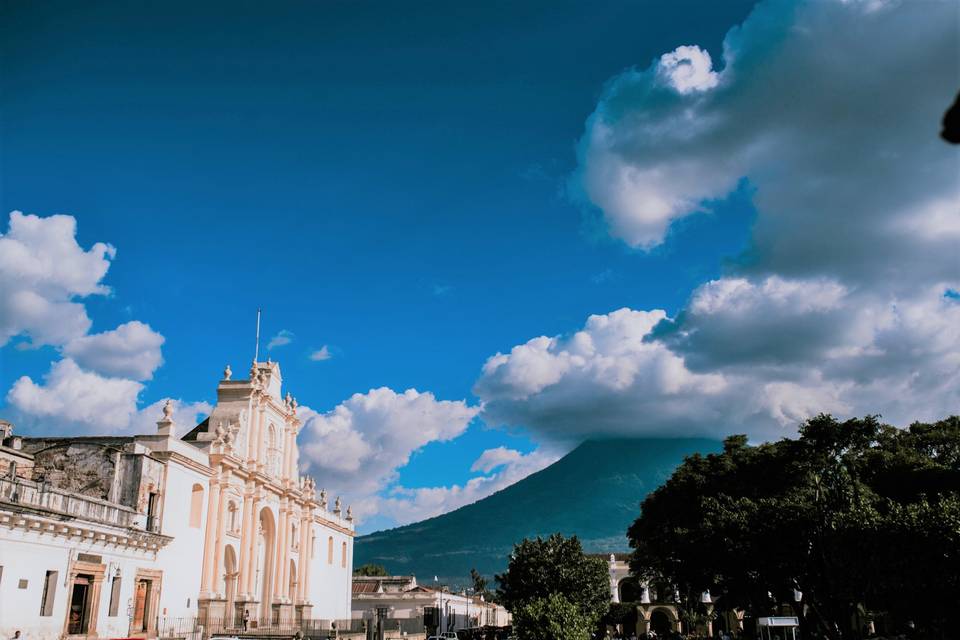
(29, 555)
(330, 584)
(182, 558)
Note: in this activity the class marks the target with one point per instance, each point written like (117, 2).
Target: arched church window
(343, 555)
(293, 537)
(196, 506)
(330, 550)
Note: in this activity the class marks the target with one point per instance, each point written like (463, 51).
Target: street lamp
(436, 581)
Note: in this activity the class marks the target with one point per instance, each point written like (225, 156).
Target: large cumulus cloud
(45, 275)
(830, 110)
(359, 445)
(42, 271)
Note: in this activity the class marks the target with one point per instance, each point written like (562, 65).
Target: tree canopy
(551, 618)
(856, 518)
(541, 569)
(371, 570)
(480, 586)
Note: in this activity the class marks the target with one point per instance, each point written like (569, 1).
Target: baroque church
(212, 529)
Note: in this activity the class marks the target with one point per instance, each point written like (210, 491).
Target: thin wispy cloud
(282, 339)
(321, 354)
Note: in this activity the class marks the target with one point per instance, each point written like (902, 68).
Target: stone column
(252, 428)
(245, 538)
(284, 450)
(288, 455)
(304, 564)
(221, 516)
(294, 454)
(307, 561)
(209, 539)
(252, 551)
(281, 544)
(260, 421)
(285, 585)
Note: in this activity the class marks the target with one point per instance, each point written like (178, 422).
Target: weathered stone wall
(84, 468)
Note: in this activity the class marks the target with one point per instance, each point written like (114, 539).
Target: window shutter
(49, 592)
(115, 596)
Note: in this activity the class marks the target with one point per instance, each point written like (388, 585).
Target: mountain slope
(594, 492)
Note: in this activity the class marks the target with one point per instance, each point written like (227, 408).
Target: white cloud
(490, 459)
(407, 505)
(94, 388)
(282, 338)
(132, 350)
(744, 355)
(687, 69)
(358, 446)
(765, 361)
(72, 395)
(73, 401)
(323, 353)
(186, 415)
(42, 271)
(831, 112)
(829, 109)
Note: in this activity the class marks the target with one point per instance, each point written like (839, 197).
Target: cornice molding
(79, 530)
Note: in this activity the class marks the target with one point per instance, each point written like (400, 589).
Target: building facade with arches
(114, 536)
(655, 606)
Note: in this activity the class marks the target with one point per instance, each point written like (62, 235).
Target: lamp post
(436, 581)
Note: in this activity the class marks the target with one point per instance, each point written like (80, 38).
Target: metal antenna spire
(256, 351)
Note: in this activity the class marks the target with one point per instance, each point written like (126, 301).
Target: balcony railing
(42, 497)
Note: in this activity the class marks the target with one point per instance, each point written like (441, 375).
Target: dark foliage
(863, 519)
(556, 565)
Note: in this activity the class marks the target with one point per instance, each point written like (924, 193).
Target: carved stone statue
(227, 373)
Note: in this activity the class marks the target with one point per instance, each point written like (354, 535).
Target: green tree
(551, 618)
(857, 516)
(541, 568)
(370, 569)
(480, 586)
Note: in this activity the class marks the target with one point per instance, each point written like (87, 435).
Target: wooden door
(140, 605)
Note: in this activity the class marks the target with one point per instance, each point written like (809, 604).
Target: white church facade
(213, 529)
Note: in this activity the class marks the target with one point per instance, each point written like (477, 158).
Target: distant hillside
(593, 492)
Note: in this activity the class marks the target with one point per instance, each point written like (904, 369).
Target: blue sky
(409, 186)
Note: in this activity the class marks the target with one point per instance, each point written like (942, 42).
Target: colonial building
(414, 608)
(118, 536)
(657, 609)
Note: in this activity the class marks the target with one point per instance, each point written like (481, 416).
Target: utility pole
(256, 350)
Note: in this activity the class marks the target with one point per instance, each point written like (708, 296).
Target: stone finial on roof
(323, 499)
(166, 425)
(336, 507)
(227, 372)
(349, 513)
